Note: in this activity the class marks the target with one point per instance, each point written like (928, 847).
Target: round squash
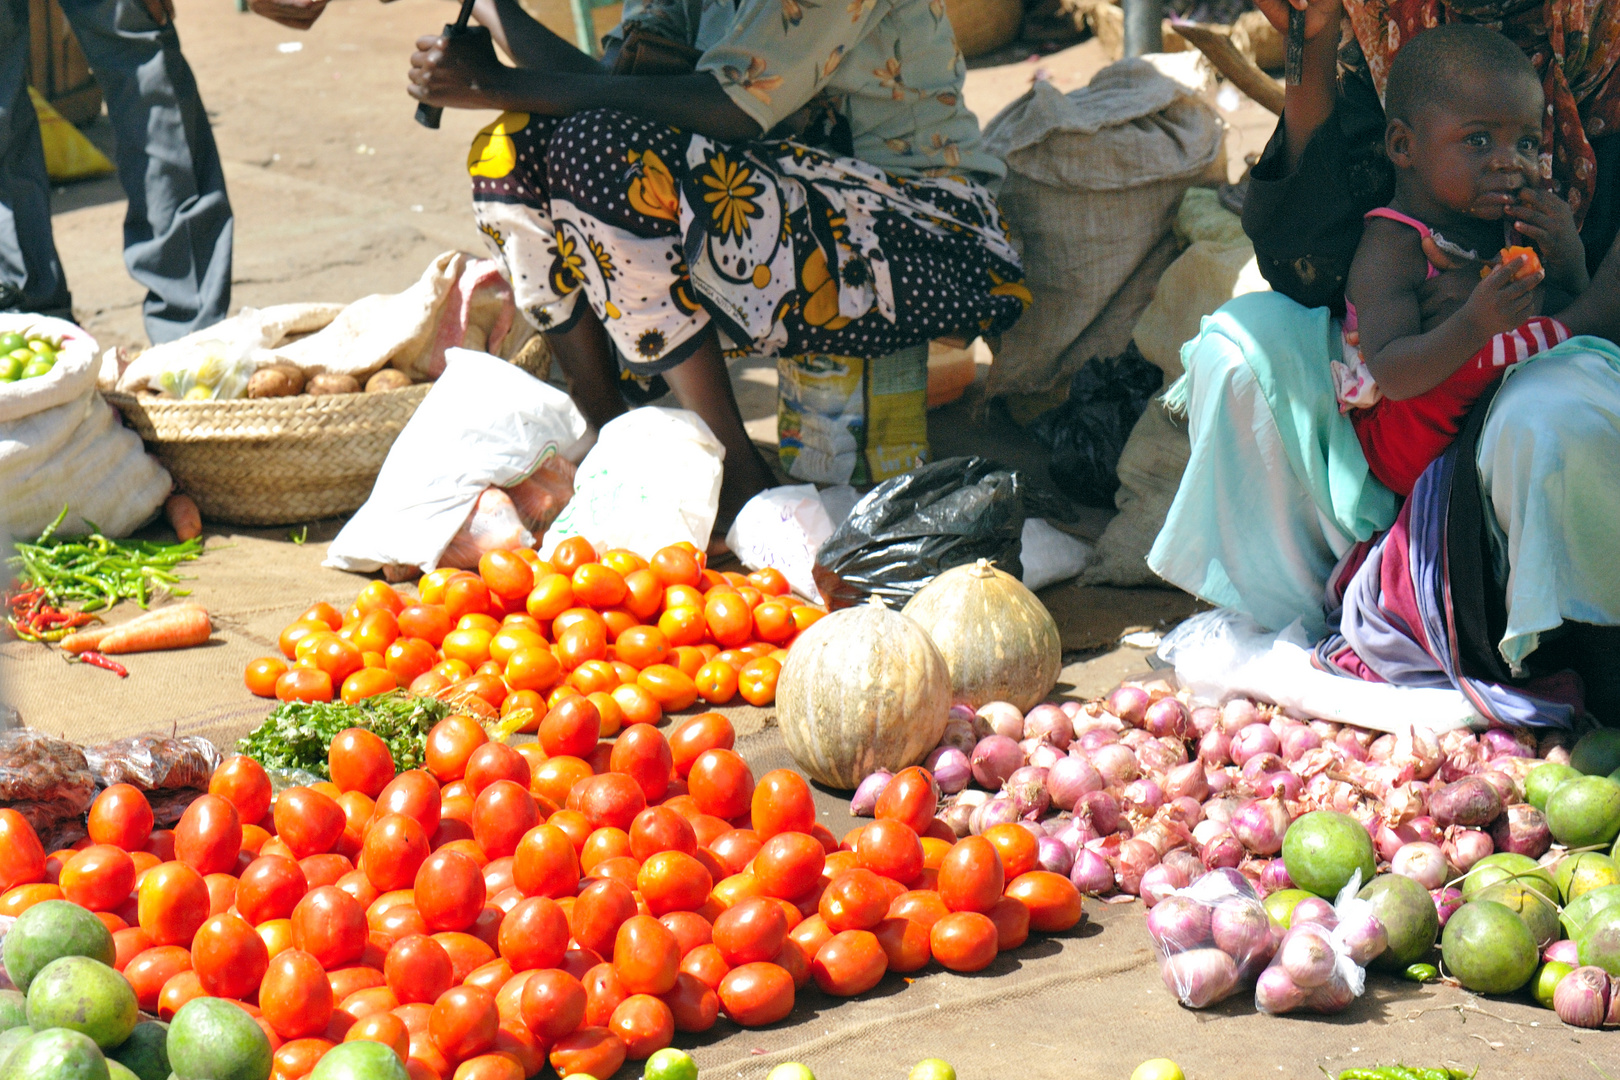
(863, 689)
(998, 639)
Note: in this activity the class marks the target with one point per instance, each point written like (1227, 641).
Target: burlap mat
(1087, 1005)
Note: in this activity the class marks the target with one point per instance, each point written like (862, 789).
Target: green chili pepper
(1421, 973)
(97, 572)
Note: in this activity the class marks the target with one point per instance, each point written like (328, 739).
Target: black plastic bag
(912, 527)
(1087, 432)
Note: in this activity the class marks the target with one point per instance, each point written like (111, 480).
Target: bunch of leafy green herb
(298, 734)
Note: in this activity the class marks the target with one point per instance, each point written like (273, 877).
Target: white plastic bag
(782, 527)
(1320, 965)
(1223, 654)
(1049, 554)
(651, 480)
(61, 443)
(485, 423)
(1212, 938)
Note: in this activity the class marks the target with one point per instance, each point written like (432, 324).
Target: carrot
(171, 628)
(183, 516)
(91, 638)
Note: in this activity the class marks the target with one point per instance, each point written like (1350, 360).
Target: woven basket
(274, 461)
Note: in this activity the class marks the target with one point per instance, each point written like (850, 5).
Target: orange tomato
(304, 684)
(172, 902)
(122, 817)
(964, 941)
(295, 996)
(466, 594)
(671, 687)
(782, 802)
(756, 682)
(294, 633)
(597, 585)
(323, 613)
(330, 925)
(507, 576)
(533, 668)
(470, 646)
(754, 995)
(676, 566)
(1017, 848)
(721, 783)
(644, 1024)
(805, 616)
(773, 622)
(594, 1051)
(638, 706)
(229, 957)
(608, 709)
(552, 595)
(673, 881)
(1053, 902)
(367, 682)
(261, 675)
(150, 970)
(594, 677)
(643, 593)
(770, 581)
(971, 876)
(641, 646)
(572, 553)
(682, 625)
(450, 744)
(728, 618)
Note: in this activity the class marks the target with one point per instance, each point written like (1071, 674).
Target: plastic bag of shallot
(1213, 938)
(1321, 961)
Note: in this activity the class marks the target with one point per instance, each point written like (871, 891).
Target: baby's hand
(1543, 217)
(1501, 302)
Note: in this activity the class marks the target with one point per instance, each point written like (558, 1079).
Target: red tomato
(173, 901)
(450, 744)
(854, 900)
(750, 931)
(646, 955)
(611, 799)
(920, 906)
(1053, 901)
(330, 925)
(782, 803)
(449, 890)
(571, 729)
(659, 828)
(229, 957)
(756, 994)
(99, 878)
(890, 848)
(553, 1004)
(1017, 847)
(594, 1051)
(911, 797)
(849, 963)
(151, 969)
(360, 761)
(122, 817)
(418, 969)
(464, 1022)
(415, 794)
(503, 812)
(295, 996)
(496, 761)
(970, 877)
(641, 753)
(545, 863)
(905, 943)
(602, 907)
(394, 850)
(308, 822)
(722, 783)
(644, 1024)
(964, 941)
(534, 934)
(1012, 923)
(209, 836)
(789, 865)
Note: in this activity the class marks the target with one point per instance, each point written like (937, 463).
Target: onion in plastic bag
(1212, 937)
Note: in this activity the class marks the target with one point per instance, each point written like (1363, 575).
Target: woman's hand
(456, 73)
(297, 14)
(1319, 14)
(1442, 295)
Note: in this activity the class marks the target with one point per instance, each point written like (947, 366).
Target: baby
(1464, 108)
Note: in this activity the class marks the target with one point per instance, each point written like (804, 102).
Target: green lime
(22, 352)
(38, 343)
(12, 341)
(1546, 980)
(1158, 1069)
(35, 368)
(932, 1069)
(790, 1070)
(670, 1064)
(11, 368)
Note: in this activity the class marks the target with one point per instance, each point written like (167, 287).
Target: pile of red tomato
(459, 915)
(637, 637)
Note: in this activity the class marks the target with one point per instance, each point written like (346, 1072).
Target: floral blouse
(888, 69)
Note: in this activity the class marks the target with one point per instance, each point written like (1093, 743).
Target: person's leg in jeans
(177, 233)
(31, 276)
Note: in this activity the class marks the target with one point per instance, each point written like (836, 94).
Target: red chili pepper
(95, 659)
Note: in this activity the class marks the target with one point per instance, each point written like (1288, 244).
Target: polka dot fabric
(785, 249)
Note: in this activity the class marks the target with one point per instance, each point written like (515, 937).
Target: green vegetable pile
(96, 571)
(1406, 1072)
(298, 735)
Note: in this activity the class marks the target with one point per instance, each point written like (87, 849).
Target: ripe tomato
(782, 803)
(360, 761)
(385, 1028)
(756, 682)
(330, 925)
(295, 996)
(304, 684)
(735, 849)
(495, 761)
(122, 817)
(571, 554)
(243, 781)
(705, 964)
(506, 575)
(394, 850)
(415, 794)
(707, 731)
(129, 943)
(534, 934)
(1054, 903)
(449, 891)
(964, 941)
(611, 799)
(553, 1004)
(682, 625)
(693, 1004)
(270, 887)
(754, 995)
(922, 906)
(426, 622)
(375, 631)
(789, 865)
(308, 822)
(854, 900)
(646, 955)
(642, 754)
(181, 988)
(151, 969)
(209, 835)
(849, 963)
(261, 675)
(728, 618)
(671, 687)
(971, 876)
(644, 1024)
(602, 907)
(1017, 848)
(603, 844)
(99, 877)
(673, 881)
(417, 968)
(773, 622)
(638, 706)
(337, 657)
(465, 594)
(721, 782)
(172, 901)
(750, 931)
(464, 1022)
(324, 869)
(891, 849)
(905, 943)
(598, 586)
(503, 812)
(594, 677)
(1011, 917)
(641, 646)
(571, 729)
(379, 595)
(659, 828)
(545, 863)
(534, 668)
(367, 682)
(593, 1051)
(450, 744)
(229, 957)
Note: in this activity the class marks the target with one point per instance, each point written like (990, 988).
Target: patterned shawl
(1574, 45)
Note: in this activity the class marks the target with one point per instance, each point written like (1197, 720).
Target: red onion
(1424, 829)
(1238, 714)
(865, 800)
(1160, 881)
(995, 758)
(1241, 929)
(1221, 810)
(1184, 810)
(1092, 738)
(1215, 748)
(1581, 998)
(1027, 789)
(1101, 809)
(1418, 749)
(1446, 903)
(1159, 756)
(1219, 779)
(1307, 955)
(1258, 766)
(998, 811)
(1116, 763)
(1050, 724)
(1313, 909)
(1136, 857)
(1072, 709)
(1552, 741)
(959, 816)
(1135, 738)
(1333, 996)
(1221, 850)
(1179, 923)
(1004, 719)
(950, 767)
(1041, 754)
(1186, 862)
(1252, 740)
(1564, 951)
(1206, 830)
(1362, 935)
(1070, 778)
(1522, 829)
(1130, 704)
(1167, 718)
(1204, 719)
(1260, 825)
(1326, 730)
(1499, 742)
(1275, 992)
(1075, 834)
(1282, 783)
(1348, 740)
(1382, 749)
(1296, 740)
(1471, 801)
(1199, 977)
(1054, 856)
(1423, 863)
(1187, 781)
(1033, 827)
(1506, 789)
(1143, 796)
(1465, 847)
(1091, 873)
(1274, 878)
(961, 734)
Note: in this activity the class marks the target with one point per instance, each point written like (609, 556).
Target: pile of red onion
(1140, 793)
